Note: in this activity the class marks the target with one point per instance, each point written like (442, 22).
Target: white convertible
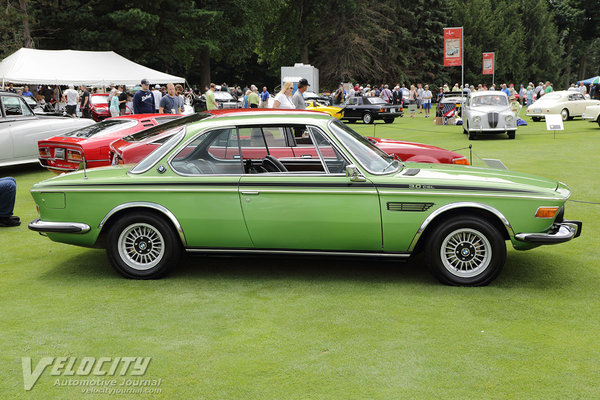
(488, 112)
(567, 103)
(20, 130)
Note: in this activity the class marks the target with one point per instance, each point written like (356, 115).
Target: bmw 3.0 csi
(215, 186)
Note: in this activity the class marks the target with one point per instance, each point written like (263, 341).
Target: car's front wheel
(367, 118)
(465, 251)
(598, 120)
(511, 134)
(564, 114)
(143, 245)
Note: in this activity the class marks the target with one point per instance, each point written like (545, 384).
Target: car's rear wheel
(367, 118)
(598, 120)
(536, 119)
(143, 246)
(388, 120)
(465, 251)
(564, 114)
(511, 134)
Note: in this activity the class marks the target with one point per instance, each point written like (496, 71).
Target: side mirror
(354, 174)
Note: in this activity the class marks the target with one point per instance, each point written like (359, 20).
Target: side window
(213, 152)
(330, 156)
(24, 108)
(274, 136)
(11, 106)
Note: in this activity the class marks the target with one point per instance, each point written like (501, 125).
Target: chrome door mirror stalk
(354, 174)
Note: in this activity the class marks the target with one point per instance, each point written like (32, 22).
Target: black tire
(511, 134)
(564, 113)
(472, 135)
(598, 120)
(367, 118)
(465, 124)
(154, 247)
(474, 251)
(536, 119)
(388, 120)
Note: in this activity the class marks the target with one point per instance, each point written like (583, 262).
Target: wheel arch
(157, 209)
(484, 211)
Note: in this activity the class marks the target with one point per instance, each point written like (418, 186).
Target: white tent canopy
(66, 67)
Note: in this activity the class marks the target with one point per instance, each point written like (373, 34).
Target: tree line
(367, 41)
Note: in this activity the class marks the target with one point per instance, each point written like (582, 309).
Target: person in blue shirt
(143, 100)
(505, 89)
(26, 92)
(264, 98)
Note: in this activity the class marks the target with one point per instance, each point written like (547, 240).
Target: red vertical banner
(488, 63)
(453, 42)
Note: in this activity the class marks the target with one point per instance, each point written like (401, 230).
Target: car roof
(488, 92)
(143, 116)
(257, 112)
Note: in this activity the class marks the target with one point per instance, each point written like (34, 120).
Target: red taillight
(461, 161)
(382, 110)
(74, 156)
(44, 152)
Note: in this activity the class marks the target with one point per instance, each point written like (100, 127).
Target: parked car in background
(133, 148)
(450, 104)
(567, 103)
(216, 187)
(592, 113)
(99, 107)
(369, 109)
(488, 112)
(334, 111)
(66, 152)
(323, 100)
(20, 129)
(225, 100)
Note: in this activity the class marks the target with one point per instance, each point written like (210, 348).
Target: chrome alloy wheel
(466, 252)
(141, 246)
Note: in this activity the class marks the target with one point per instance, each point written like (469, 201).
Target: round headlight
(509, 119)
(477, 120)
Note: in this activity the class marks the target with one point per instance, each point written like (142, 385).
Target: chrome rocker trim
(560, 233)
(232, 251)
(58, 227)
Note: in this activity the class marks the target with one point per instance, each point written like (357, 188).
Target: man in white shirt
(427, 95)
(157, 96)
(72, 98)
(582, 88)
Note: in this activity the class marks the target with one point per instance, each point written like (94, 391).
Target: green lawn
(285, 328)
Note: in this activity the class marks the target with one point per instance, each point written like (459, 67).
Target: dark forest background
(366, 41)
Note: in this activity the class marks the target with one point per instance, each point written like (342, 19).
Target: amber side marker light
(546, 212)
(460, 161)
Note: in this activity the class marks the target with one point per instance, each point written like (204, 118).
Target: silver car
(488, 112)
(20, 130)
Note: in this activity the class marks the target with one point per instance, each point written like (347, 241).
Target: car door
(6, 140)
(350, 109)
(313, 208)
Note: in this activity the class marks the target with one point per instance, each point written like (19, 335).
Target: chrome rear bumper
(58, 227)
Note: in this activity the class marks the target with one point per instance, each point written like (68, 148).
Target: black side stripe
(414, 187)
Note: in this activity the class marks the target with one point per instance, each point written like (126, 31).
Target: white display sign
(554, 122)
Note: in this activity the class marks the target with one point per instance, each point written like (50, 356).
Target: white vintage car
(567, 103)
(592, 113)
(20, 130)
(488, 112)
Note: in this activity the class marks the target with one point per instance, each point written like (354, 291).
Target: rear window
(102, 128)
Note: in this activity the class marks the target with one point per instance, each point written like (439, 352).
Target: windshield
(489, 100)
(224, 96)
(550, 96)
(99, 99)
(369, 156)
(102, 128)
(157, 130)
(376, 100)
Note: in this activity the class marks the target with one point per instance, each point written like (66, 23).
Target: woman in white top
(284, 97)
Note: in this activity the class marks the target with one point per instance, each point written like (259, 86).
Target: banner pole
(462, 62)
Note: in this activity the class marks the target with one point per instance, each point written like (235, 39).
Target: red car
(132, 149)
(99, 107)
(65, 152)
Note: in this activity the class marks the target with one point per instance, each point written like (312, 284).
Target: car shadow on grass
(531, 270)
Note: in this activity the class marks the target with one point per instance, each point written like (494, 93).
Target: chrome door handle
(250, 192)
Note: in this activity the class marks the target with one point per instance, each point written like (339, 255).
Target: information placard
(554, 122)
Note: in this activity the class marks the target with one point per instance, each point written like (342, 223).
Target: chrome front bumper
(560, 233)
(58, 227)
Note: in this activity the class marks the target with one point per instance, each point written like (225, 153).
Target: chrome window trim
(333, 144)
(453, 206)
(161, 148)
(153, 206)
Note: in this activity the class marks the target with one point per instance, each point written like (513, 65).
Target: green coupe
(214, 186)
